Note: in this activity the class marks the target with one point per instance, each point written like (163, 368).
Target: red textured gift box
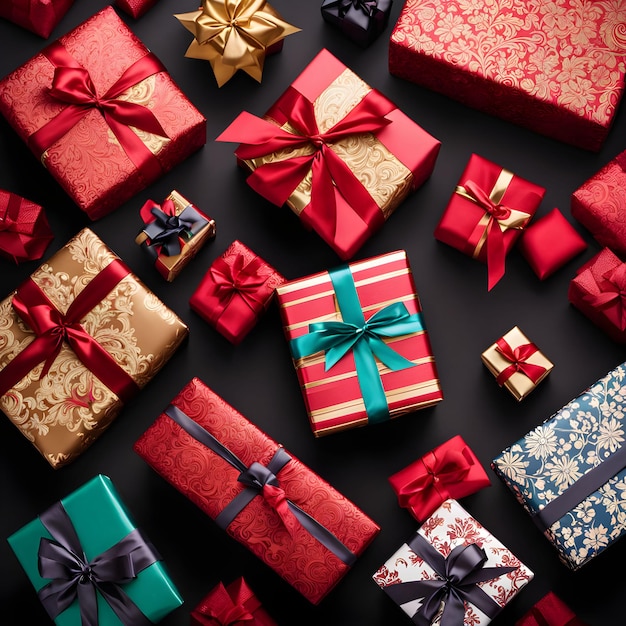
(97, 158)
(135, 8)
(232, 604)
(550, 611)
(237, 289)
(211, 482)
(596, 291)
(556, 67)
(487, 212)
(451, 470)
(600, 205)
(38, 16)
(336, 151)
(336, 396)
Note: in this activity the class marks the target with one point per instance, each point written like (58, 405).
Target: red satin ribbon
(276, 181)
(238, 278)
(227, 606)
(494, 237)
(168, 207)
(52, 328)
(517, 358)
(276, 498)
(613, 296)
(73, 85)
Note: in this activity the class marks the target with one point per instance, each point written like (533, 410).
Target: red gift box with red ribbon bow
(550, 611)
(450, 470)
(38, 16)
(135, 8)
(103, 115)
(599, 291)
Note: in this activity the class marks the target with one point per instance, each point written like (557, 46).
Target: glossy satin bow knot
(613, 295)
(229, 616)
(518, 358)
(239, 278)
(366, 6)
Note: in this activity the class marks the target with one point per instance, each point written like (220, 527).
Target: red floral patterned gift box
(263, 497)
(453, 571)
(101, 113)
(556, 67)
(38, 16)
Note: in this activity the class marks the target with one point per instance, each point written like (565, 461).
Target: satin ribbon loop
(366, 6)
(231, 615)
(498, 211)
(613, 295)
(238, 278)
(518, 359)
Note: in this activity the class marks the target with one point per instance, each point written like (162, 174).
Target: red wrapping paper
(600, 205)
(238, 288)
(550, 611)
(233, 605)
(211, 483)
(398, 152)
(599, 291)
(88, 160)
(38, 16)
(550, 243)
(135, 8)
(450, 470)
(514, 60)
(24, 229)
(465, 224)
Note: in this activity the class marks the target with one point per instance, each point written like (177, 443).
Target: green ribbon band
(363, 338)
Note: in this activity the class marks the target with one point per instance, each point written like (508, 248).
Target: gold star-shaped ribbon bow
(234, 35)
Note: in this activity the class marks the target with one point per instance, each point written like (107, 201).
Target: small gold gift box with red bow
(516, 363)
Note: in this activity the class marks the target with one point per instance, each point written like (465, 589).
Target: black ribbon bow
(166, 229)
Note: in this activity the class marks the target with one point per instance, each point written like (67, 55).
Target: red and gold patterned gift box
(451, 470)
(263, 497)
(336, 151)
(237, 289)
(556, 67)
(38, 16)
(135, 8)
(79, 338)
(600, 205)
(599, 290)
(173, 233)
(487, 212)
(359, 343)
(550, 611)
(101, 113)
(231, 604)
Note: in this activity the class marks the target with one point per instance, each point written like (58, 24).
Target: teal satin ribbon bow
(363, 338)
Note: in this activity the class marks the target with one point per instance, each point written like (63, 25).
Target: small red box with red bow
(450, 470)
(236, 290)
(38, 16)
(487, 212)
(550, 611)
(233, 604)
(24, 229)
(598, 291)
(135, 8)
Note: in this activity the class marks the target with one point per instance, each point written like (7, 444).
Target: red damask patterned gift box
(556, 67)
(264, 497)
(237, 289)
(600, 205)
(38, 16)
(101, 113)
(487, 212)
(359, 343)
(336, 151)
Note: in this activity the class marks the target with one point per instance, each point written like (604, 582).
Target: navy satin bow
(166, 229)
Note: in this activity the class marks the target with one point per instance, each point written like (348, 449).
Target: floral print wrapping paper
(549, 459)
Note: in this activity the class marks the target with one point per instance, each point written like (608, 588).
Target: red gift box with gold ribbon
(550, 611)
(487, 212)
(101, 113)
(231, 605)
(235, 292)
(599, 291)
(260, 494)
(38, 16)
(336, 151)
(451, 470)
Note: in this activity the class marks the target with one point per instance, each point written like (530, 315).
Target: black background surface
(258, 378)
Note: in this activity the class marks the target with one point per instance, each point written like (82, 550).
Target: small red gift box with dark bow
(550, 611)
(487, 212)
(173, 234)
(359, 20)
(38, 16)
(135, 8)
(104, 116)
(516, 363)
(24, 229)
(236, 290)
(260, 494)
(325, 146)
(450, 470)
(599, 291)
(600, 205)
(231, 605)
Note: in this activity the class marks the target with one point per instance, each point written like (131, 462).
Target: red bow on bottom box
(550, 611)
(24, 229)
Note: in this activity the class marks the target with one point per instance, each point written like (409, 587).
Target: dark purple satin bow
(366, 6)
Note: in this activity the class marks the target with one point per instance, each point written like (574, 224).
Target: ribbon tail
(495, 254)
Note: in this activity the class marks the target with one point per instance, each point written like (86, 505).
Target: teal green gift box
(101, 523)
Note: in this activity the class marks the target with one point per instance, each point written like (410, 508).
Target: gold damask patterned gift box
(79, 338)
(556, 67)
